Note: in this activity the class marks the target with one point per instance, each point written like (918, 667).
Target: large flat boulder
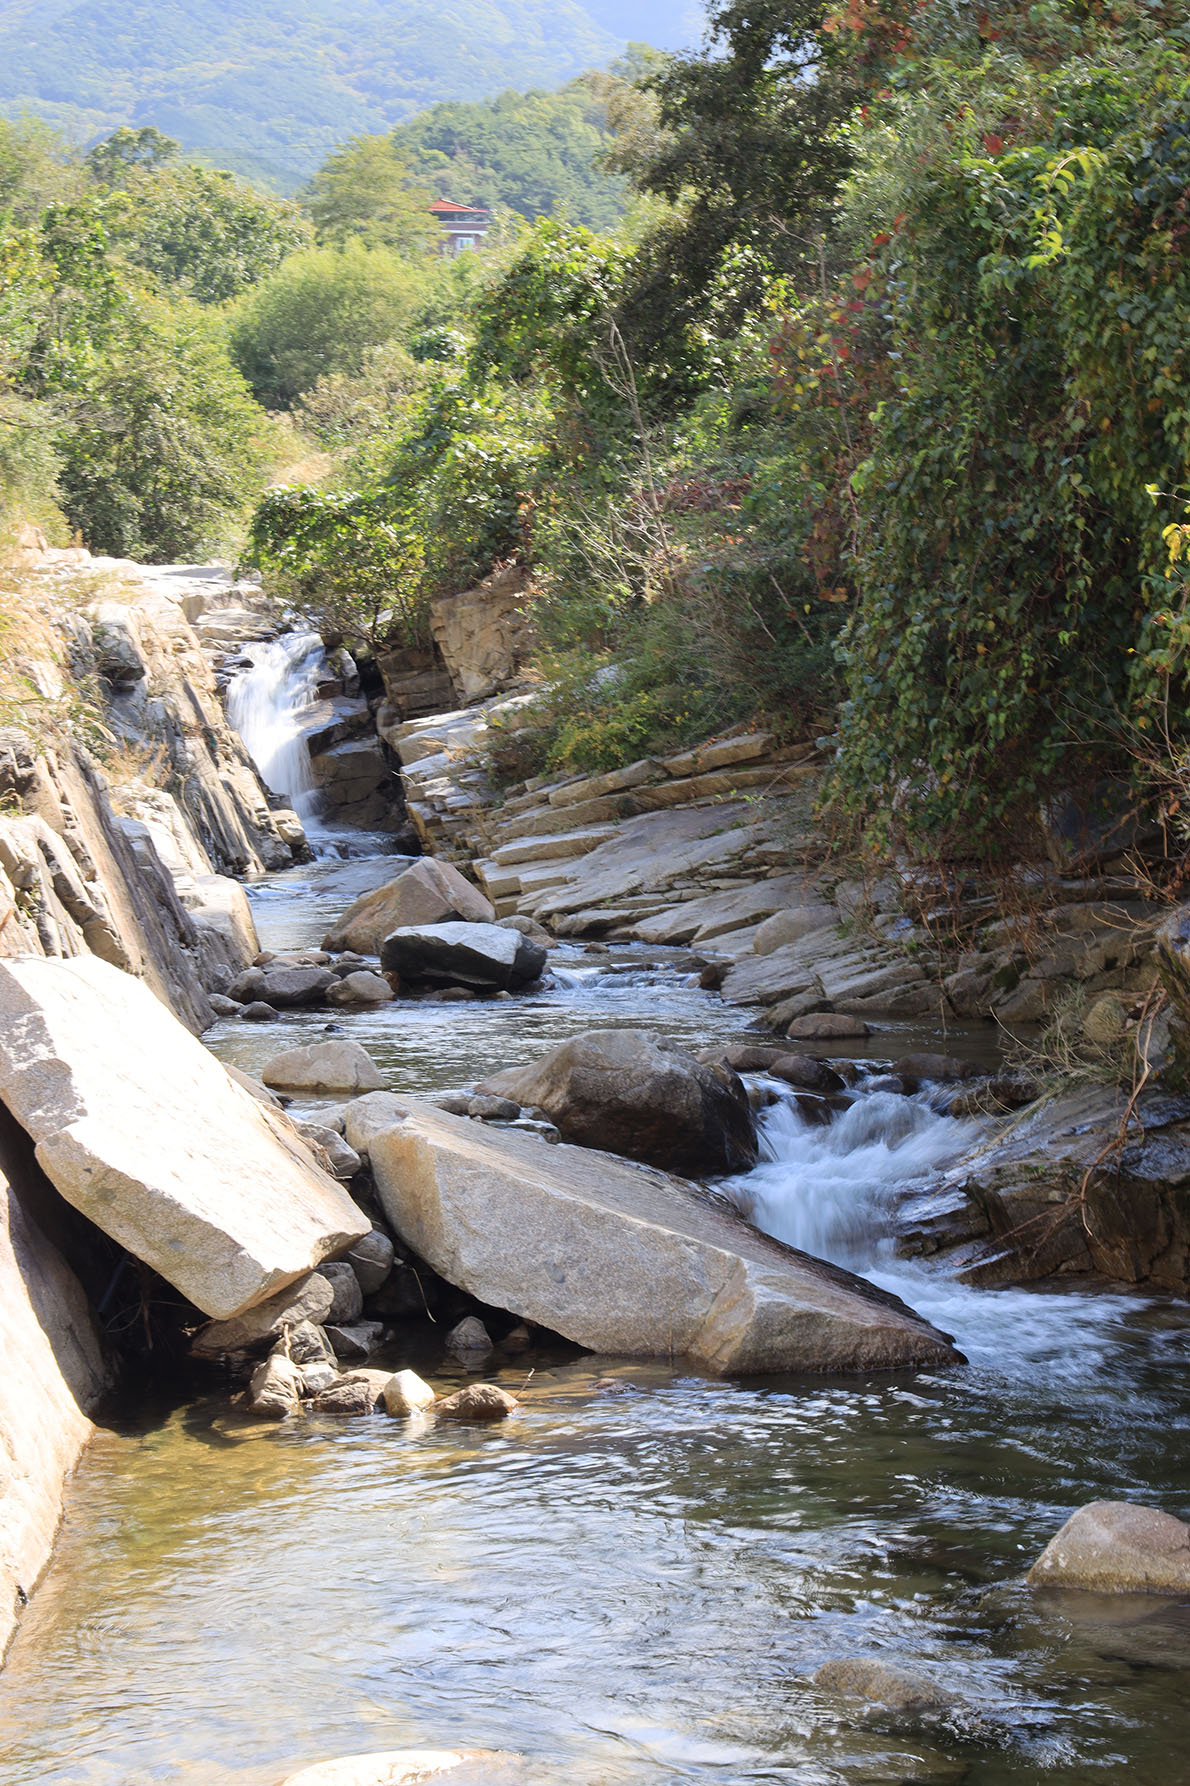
(618, 1257)
(477, 955)
(430, 892)
(141, 1129)
(640, 1095)
(1113, 1547)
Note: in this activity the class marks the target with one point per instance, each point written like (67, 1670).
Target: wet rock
(940, 1069)
(139, 1127)
(642, 1096)
(430, 892)
(456, 1103)
(258, 1012)
(406, 1394)
(309, 1300)
(360, 988)
(545, 1131)
(618, 1257)
(469, 1340)
(801, 1070)
(290, 987)
(1113, 1547)
(306, 1343)
(478, 1401)
(347, 1304)
(468, 955)
(490, 1109)
(371, 1259)
(350, 963)
(887, 1082)
(317, 1376)
(869, 1677)
(324, 1066)
(413, 1767)
(358, 1340)
(358, 1392)
(275, 1388)
(827, 1026)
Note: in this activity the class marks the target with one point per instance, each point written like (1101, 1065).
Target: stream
(630, 1583)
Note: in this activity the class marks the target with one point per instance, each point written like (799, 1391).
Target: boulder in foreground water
(413, 1767)
(639, 1095)
(143, 1131)
(884, 1683)
(620, 1258)
(430, 892)
(484, 956)
(323, 1066)
(1113, 1547)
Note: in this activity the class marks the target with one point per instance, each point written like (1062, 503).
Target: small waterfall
(267, 705)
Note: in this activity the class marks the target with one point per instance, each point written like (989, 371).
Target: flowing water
(632, 1581)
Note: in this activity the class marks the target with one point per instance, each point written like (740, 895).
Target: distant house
(463, 226)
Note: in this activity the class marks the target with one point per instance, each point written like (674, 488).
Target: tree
(202, 230)
(364, 190)
(129, 151)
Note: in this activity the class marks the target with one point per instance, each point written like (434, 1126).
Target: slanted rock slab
(1113, 1547)
(141, 1129)
(620, 1258)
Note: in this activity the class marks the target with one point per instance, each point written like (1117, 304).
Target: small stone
(356, 1393)
(258, 1012)
(406, 1394)
(309, 1299)
(469, 1339)
(348, 1303)
(827, 1026)
(275, 1388)
(371, 1259)
(360, 988)
(479, 1401)
(491, 1109)
(343, 1161)
(306, 1343)
(867, 1677)
(222, 1005)
(455, 1103)
(318, 1376)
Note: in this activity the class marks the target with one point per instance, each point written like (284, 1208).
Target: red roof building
(463, 226)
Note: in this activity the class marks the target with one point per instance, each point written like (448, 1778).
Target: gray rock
(456, 1103)
(275, 1388)
(341, 1161)
(360, 989)
(940, 1068)
(371, 1259)
(869, 1677)
(359, 1340)
(258, 1012)
(470, 1339)
(827, 1026)
(490, 1109)
(358, 1392)
(620, 1258)
(223, 1006)
(324, 1066)
(306, 1343)
(468, 955)
(309, 1299)
(317, 1376)
(430, 892)
(639, 1095)
(348, 1302)
(406, 1394)
(247, 986)
(478, 1401)
(1113, 1547)
(289, 987)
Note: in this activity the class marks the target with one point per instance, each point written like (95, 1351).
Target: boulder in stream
(142, 1130)
(631, 1093)
(620, 1258)
(323, 1066)
(472, 955)
(405, 1394)
(1113, 1547)
(431, 892)
(883, 1682)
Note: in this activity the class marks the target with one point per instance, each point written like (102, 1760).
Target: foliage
(204, 232)
(364, 190)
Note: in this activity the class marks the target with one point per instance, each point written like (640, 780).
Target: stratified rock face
(143, 1131)
(617, 1257)
(1112, 1547)
(413, 1767)
(477, 955)
(638, 1095)
(1173, 953)
(324, 1066)
(430, 892)
(51, 1372)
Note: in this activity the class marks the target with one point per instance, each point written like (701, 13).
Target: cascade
(267, 705)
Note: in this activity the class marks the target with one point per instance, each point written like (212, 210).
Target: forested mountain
(268, 91)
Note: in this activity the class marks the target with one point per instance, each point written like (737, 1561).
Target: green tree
(364, 190)
(127, 152)
(202, 230)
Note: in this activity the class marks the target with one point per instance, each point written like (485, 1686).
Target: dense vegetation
(270, 92)
(875, 421)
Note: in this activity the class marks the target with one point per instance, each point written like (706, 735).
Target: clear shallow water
(631, 1582)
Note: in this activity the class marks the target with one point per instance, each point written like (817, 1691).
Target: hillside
(270, 93)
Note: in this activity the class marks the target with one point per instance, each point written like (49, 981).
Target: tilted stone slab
(618, 1257)
(141, 1129)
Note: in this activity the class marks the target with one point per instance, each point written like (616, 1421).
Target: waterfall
(267, 705)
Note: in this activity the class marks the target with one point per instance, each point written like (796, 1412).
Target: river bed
(631, 1582)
